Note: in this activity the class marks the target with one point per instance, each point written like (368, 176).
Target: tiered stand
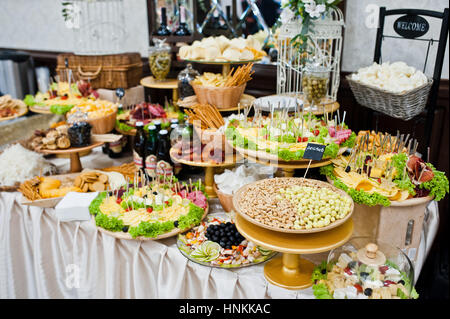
(290, 271)
(210, 169)
(74, 153)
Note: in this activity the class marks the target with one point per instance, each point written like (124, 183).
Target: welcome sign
(411, 26)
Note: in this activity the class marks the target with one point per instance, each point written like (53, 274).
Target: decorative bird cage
(324, 43)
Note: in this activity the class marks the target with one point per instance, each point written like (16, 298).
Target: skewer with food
(148, 209)
(382, 169)
(61, 97)
(284, 137)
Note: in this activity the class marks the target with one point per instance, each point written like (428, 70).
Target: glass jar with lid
(365, 268)
(315, 82)
(159, 58)
(184, 78)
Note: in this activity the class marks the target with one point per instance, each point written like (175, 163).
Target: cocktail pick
(343, 120)
(339, 120)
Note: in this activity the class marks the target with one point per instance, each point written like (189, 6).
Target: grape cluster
(225, 234)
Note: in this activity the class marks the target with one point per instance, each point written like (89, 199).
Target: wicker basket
(104, 124)
(103, 71)
(220, 97)
(402, 106)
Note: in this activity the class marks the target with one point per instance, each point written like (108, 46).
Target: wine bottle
(163, 28)
(182, 28)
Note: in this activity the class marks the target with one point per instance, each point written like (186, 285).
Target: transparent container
(363, 263)
(159, 58)
(315, 83)
(184, 78)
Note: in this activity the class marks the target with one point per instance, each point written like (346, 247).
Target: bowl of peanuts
(293, 205)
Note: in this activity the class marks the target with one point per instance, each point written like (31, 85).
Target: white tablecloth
(41, 257)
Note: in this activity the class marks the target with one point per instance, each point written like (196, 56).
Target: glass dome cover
(365, 268)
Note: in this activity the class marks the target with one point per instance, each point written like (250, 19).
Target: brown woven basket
(103, 71)
(220, 97)
(402, 106)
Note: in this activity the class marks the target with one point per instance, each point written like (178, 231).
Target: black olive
(175, 223)
(347, 169)
(125, 229)
(368, 291)
(155, 193)
(401, 282)
(323, 271)
(346, 153)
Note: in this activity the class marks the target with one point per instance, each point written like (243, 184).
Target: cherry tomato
(348, 271)
(388, 282)
(383, 269)
(316, 132)
(305, 139)
(358, 287)
(149, 210)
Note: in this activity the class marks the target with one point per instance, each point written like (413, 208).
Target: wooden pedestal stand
(290, 271)
(74, 153)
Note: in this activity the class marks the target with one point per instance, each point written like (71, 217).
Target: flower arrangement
(306, 12)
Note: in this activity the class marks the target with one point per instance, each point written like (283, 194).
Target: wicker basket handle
(88, 75)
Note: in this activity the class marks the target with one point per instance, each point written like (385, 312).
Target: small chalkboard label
(411, 26)
(314, 151)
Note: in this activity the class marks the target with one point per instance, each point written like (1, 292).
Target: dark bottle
(139, 146)
(182, 29)
(165, 165)
(163, 28)
(157, 124)
(150, 151)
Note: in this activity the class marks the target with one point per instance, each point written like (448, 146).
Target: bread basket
(220, 97)
(104, 124)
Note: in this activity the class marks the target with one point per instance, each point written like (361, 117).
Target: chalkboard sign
(411, 26)
(314, 151)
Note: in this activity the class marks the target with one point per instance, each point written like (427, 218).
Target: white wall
(359, 42)
(39, 25)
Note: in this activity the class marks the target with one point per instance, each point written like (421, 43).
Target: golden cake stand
(168, 84)
(210, 169)
(289, 270)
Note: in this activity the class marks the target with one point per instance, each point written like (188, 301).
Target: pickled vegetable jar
(315, 83)
(159, 59)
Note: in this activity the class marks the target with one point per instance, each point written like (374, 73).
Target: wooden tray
(262, 156)
(39, 110)
(50, 202)
(241, 192)
(21, 113)
(228, 161)
(127, 236)
(71, 150)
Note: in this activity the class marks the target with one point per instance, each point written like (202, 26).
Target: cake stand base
(289, 271)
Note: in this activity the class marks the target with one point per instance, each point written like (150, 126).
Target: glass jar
(184, 78)
(315, 83)
(375, 268)
(159, 59)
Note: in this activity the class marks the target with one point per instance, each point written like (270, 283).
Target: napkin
(74, 206)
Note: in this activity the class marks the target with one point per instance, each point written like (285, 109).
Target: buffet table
(41, 257)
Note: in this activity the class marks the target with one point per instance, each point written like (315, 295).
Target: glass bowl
(366, 268)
